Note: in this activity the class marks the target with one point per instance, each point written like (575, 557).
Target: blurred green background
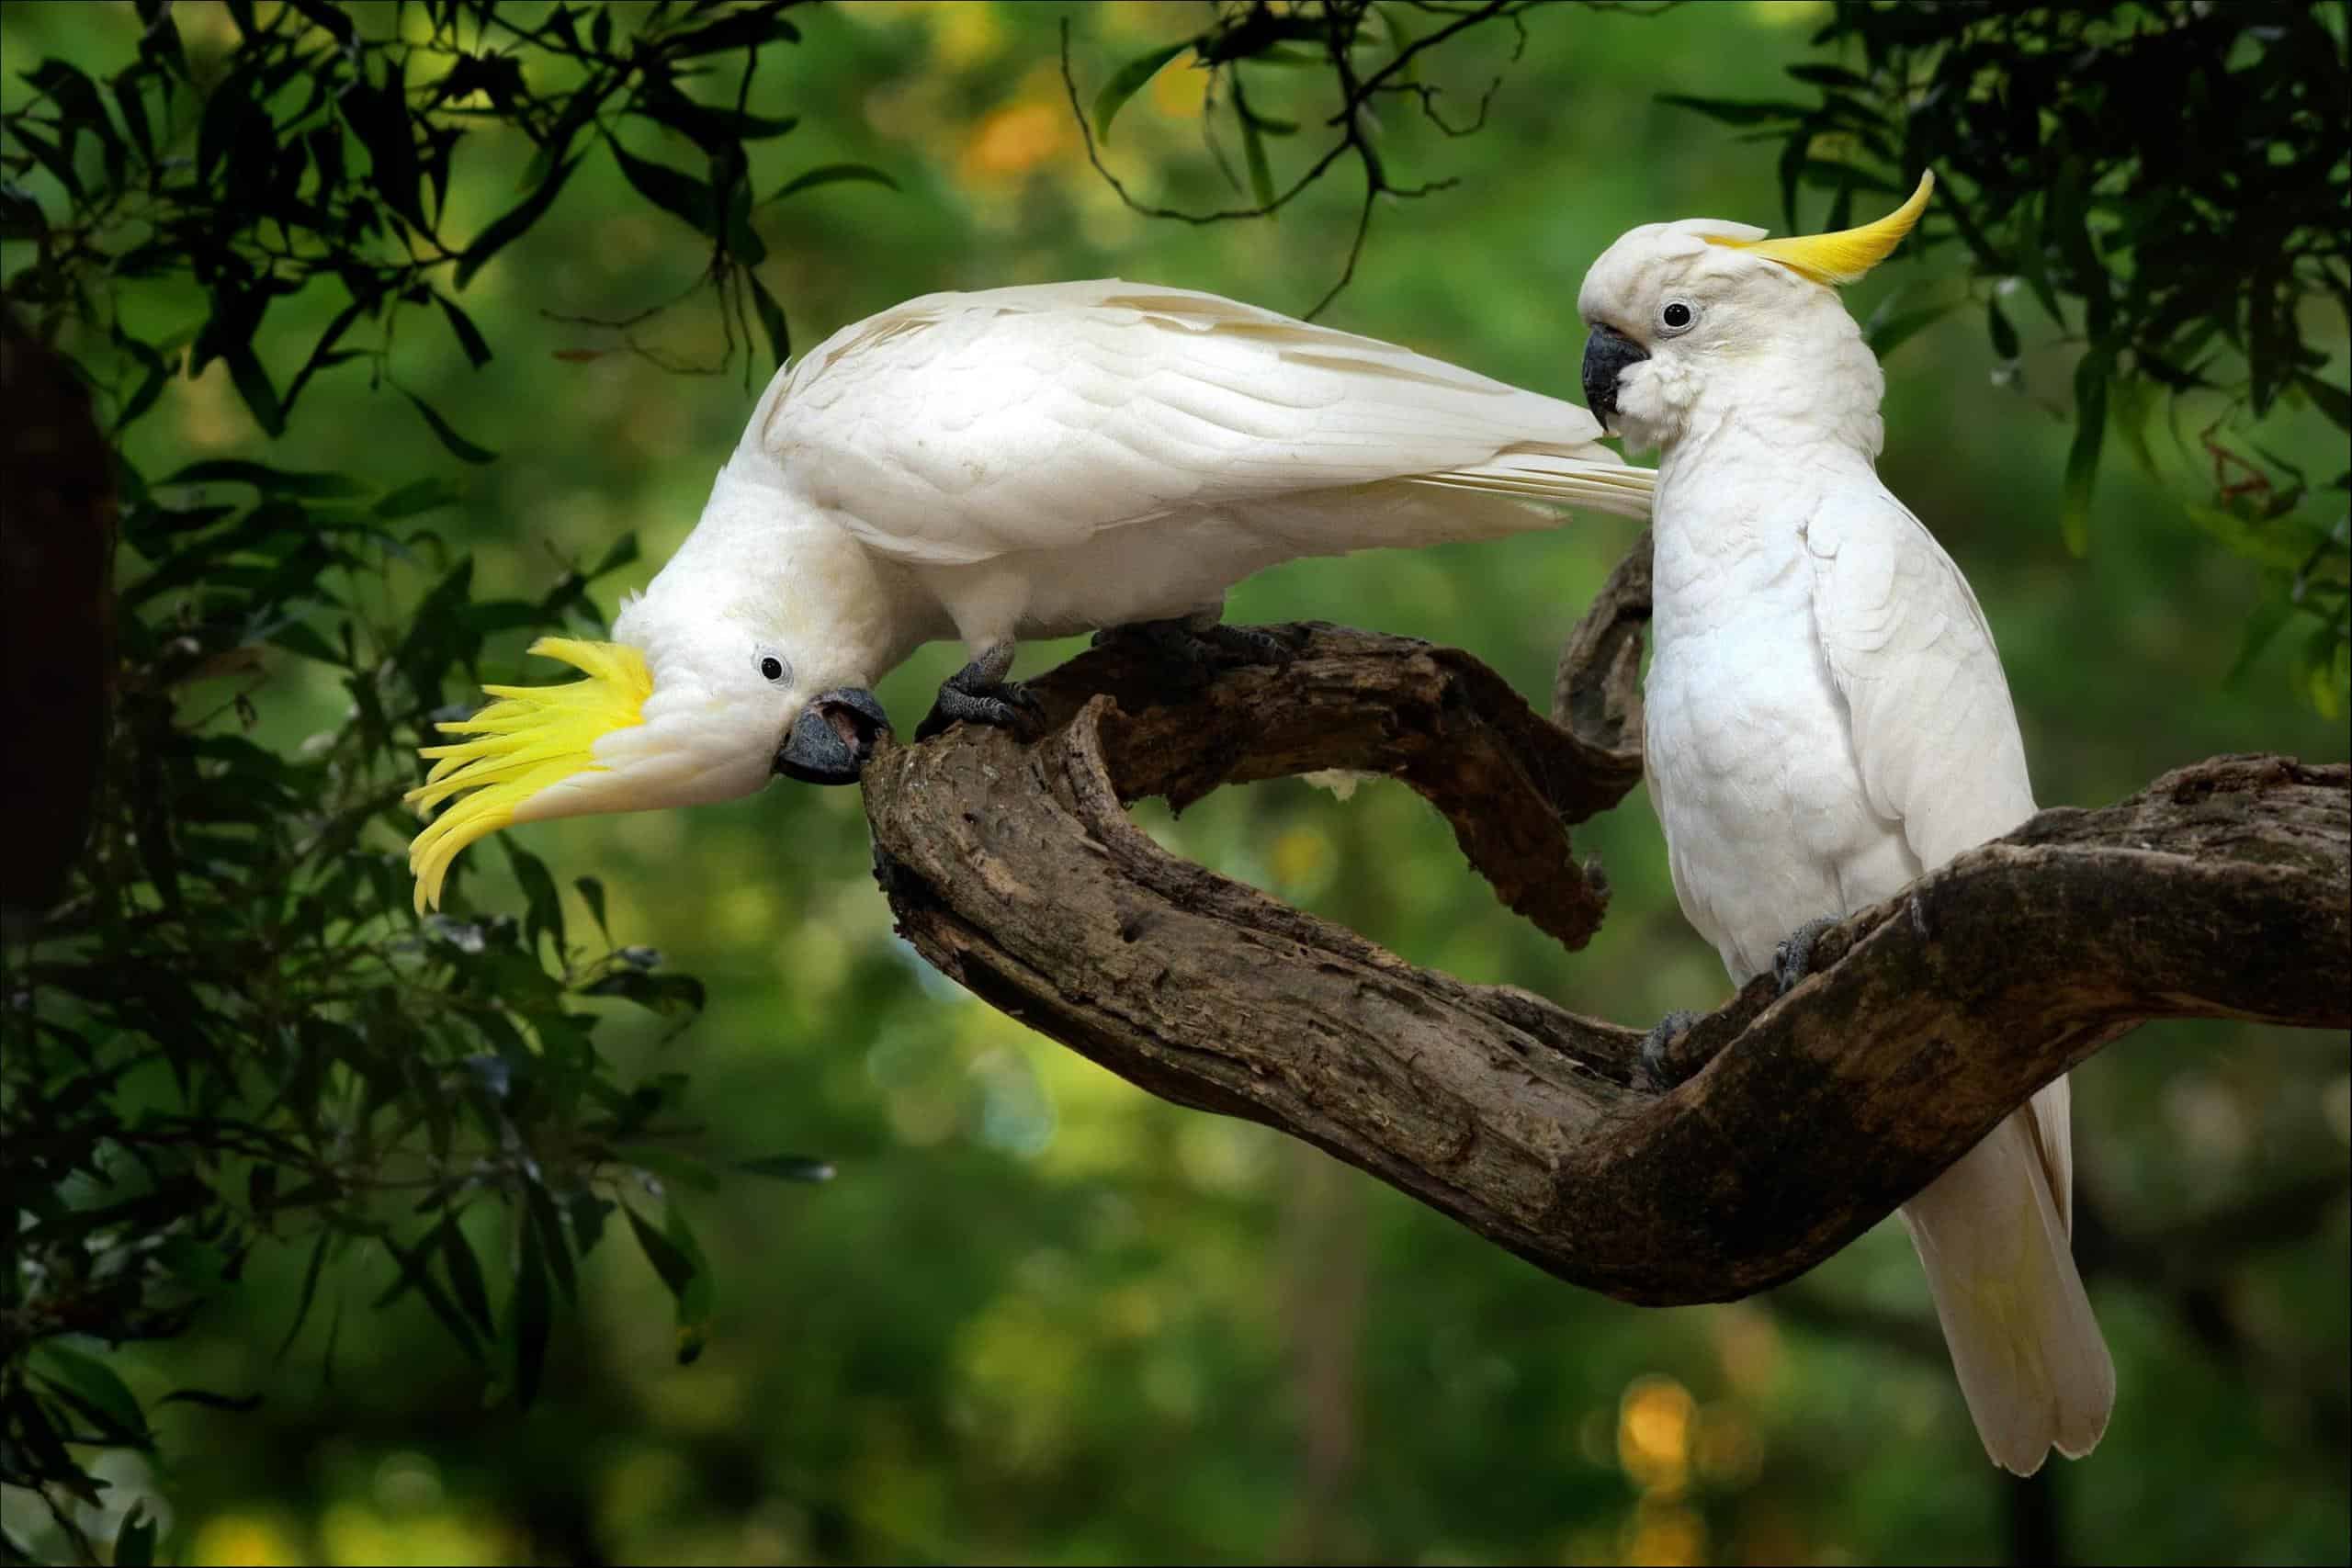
(1040, 1316)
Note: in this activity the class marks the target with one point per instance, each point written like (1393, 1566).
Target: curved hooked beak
(1607, 352)
(832, 739)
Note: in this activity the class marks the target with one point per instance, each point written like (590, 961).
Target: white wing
(957, 427)
(1934, 733)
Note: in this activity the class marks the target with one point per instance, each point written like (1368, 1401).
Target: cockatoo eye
(772, 668)
(1677, 316)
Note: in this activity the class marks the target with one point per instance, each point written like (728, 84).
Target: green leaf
(833, 174)
(378, 117)
(470, 337)
(417, 495)
(465, 1272)
(1886, 337)
(694, 1302)
(2081, 457)
(457, 444)
(1127, 81)
(772, 320)
(673, 191)
(518, 220)
(2330, 400)
(592, 892)
(676, 1169)
(543, 913)
(2003, 335)
(1738, 111)
(623, 551)
(533, 1315)
(134, 1544)
(671, 996)
(417, 1273)
(788, 1167)
(746, 30)
(1253, 153)
(675, 1267)
(265, 479)
(539, 1215)
(92, 1386)
(308, 1292)
(255, 386)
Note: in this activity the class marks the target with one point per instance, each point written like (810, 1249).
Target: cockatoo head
(1703, 317)
(717, 679)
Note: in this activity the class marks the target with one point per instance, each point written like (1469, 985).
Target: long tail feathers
(1538, 474)
(1994, 1238)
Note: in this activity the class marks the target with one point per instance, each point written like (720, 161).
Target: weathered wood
(2223, 890)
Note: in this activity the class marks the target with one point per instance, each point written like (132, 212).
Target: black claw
(978, 693)
(1657, 1071)
(1793, 960)
(1196, 651)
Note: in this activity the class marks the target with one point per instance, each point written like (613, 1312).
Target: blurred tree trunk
(57, 531)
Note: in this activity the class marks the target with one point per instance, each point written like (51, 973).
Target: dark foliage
(229, 1027)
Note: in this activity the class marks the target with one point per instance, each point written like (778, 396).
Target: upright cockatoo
(1827, 719)
(1017, 462)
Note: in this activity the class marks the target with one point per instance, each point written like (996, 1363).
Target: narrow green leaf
(1253, 153)
(1890, 334)
(1127, 81)
(417, 495)
(543, 912)
(2003, 335)
(673, 191)
(255, 386)
(533, 1317)
(833, 174)
(624, 551)
(134, 1543)
(518, 220)
(458, 445)
(265, 479)
(96, 1387)
(470, 337)
(772, 320)
(308, 1292)
(697, 1300)
(465, 1272)
(675, 1267)
(592, 892)
(2081, 457)
(539, 1215)
(2329, 399)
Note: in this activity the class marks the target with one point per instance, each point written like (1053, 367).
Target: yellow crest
(532, 738)
(1844, 256)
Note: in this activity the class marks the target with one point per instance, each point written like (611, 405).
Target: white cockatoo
(1827, 721)
(1017, 462)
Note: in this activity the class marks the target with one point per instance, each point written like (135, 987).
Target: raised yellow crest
(532, 738)
(1846, 254)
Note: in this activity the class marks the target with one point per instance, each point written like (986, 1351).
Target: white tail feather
(1994, 1238)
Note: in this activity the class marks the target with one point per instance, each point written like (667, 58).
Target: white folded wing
(957, 427)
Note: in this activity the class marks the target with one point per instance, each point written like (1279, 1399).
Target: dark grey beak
(832, 737)
(1605, 353)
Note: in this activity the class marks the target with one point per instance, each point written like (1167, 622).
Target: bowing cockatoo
(1827, 721)
(1018, 462)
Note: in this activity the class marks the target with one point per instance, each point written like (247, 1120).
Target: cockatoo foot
(1652, 1061)
(1792, 959)
(1196, 648)
(978, 693)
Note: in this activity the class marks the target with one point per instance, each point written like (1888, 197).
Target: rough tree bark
(2223, 890)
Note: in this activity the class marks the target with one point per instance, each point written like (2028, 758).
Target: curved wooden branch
(2223, 890)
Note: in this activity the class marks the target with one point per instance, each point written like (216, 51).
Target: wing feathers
(960, 426)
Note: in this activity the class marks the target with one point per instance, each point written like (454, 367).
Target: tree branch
(2219, 891)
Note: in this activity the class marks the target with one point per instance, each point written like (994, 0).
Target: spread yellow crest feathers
(533, 737)
(1846, 254)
